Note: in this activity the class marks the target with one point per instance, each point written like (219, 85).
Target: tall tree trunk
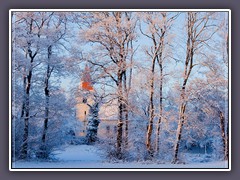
(43, 149)
(182, 108)
(160, 63)
(121, 70)
(45, 127)
(160, 110)
(127, 90)
(224, 138)
(46, 113)
(179, 131)
(24, 86)
(126, 126)
(24, 98)
(126, 109)
(227, 143)
(181, 118)
(120, 116)
(24, 148)
(227, 128)
(151, 111)
(47, 95)
(187, 71)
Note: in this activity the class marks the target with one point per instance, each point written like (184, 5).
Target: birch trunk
(223, 135)
(43, 149)
(151, 111)
(160, 63)
(187, 71)
(120, 116)
(126, 112)
(121, 63)
(160, 110)
(227, 143)
(24, 148)
(227, 128)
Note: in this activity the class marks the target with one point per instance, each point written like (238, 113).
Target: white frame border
(99, 10)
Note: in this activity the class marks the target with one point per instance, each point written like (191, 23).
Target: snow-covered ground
(84, 156)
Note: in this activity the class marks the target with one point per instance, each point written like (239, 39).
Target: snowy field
(84, 156)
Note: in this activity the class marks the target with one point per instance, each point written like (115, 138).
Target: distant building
(108, 125)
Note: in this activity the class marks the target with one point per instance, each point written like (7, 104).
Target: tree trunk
(151, 111)
(179, 131)
(182, 112)
(47, 95)
(160, 110)
(160, 63)
(120, 116)
(43, 148)
(24, 98)
(227, 143)
(126, 125)
(227, 128)
(121, 70)
(127, 90)
(224, 139)
(126, 110)
(24, 148)
(24, 93)
(187, 71)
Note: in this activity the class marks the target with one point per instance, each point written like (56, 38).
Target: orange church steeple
(87, 80)
(84, 99)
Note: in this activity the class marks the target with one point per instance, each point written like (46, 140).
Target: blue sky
(179, 50)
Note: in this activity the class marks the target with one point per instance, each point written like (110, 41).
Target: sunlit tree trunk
(160, 109)
(157, 28)
(187, 71)
(222, 127)
(160, 63)
(126, 112)
(120, 116)
(151, 110)
(227, 124)
(227, 143)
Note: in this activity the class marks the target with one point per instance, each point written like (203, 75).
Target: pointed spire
(86, 79)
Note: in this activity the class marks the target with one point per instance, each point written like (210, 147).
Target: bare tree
(157, 29)
(33, 24)
(113, 31)
(212, 97)
(225, 37)
(54, 34)
(198, 34)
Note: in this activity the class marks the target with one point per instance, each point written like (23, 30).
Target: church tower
(86, 90)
